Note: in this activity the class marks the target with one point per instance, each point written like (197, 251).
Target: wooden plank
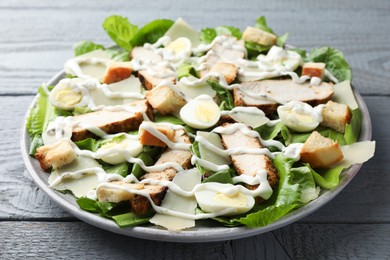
(37, 44)
(301, 241)
(364, 200)
(336, 241)
(76, 240)
(79, 240)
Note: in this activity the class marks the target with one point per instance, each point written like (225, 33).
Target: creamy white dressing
(276, 63)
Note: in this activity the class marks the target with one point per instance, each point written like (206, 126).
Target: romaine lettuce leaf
(207, 35)
(130, 219)
(352, 130)
(227, 102)
(120, 30)
(334, 60)
(261, 23)
(221, 177)
(185, 70)
(151, 32)
(326, 178)
(40, 115)
(85, 47)
(304, 177)
(120, 169)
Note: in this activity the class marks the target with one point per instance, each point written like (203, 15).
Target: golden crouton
(55, 155)
(336, 116)
(253, 34)
(314, 69)
(117, 71)
(147, 138)
(165, 100)
(149, 81)
(320, 152)
(227, 70)
(107, 194)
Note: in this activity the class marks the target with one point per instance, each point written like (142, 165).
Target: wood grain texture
(58, 240)
(336, 241)
(36, 38)
(39, 36)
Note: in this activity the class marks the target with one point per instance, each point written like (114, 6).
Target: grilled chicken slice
(140, 204)
(267, 95)
(162, 73)
(112, 122)
(226, 56)
(249, 163)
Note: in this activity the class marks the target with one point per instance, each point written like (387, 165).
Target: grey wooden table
(36, 37)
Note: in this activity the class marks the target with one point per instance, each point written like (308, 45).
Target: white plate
(205, 231)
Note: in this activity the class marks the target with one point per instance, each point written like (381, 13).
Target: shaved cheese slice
(81, 186)
(129, 85)
(251, 116)
(207, 154)
(195, 90)
(187, 181)
(181, 29)
(356, 153)
(343, 94)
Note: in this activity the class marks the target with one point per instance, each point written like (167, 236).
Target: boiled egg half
(68, 94)
(214, 197)
(180, 48)
(201, 112)
(300, 116)
(116, 150)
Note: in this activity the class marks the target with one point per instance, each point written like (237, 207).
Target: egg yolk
(67, 96)
(237, 199)
(304, 118)
(206, 112)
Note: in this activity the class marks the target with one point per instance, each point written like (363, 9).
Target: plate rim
(197, 234)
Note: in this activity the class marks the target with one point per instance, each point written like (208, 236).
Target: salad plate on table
(176, 134)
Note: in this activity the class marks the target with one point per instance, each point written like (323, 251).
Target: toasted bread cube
(147, 138)
(253, 34)
(320, 152)
(227, 70)
(107, 194)
(56, 155)
(336, 116)
(165, 100)
(117, 71)
(314, 69)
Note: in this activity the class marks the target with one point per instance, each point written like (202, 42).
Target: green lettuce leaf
(185, 70)
(120, 30)
(334, 60)
(352, 130)
(88, 144)
(151, 32)
(221, 177)
(36, 142)
(85, 47)
(120, 169)
(147, 159)
(158, 118)
(327, 178)
(41, 115)
(227, 102)
(95, 206)
(261, 23)
(194, 148)
(207, 35)
(130, 219)
(305, 179)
